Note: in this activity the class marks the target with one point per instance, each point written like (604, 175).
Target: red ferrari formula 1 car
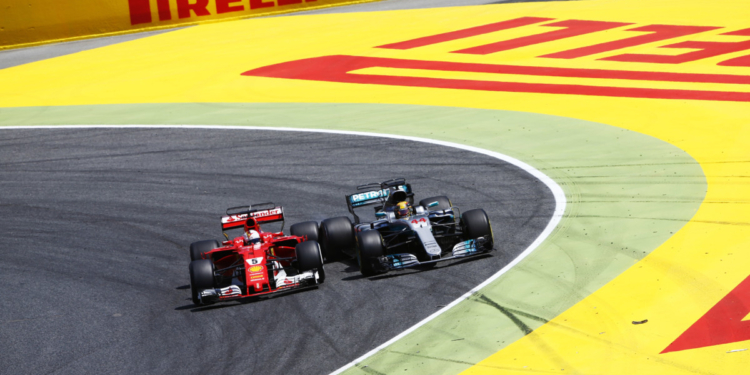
(256, 263)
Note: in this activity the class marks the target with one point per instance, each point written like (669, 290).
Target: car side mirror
(433, 204)
(380, 214)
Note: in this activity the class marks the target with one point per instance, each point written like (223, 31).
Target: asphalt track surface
(96, 224)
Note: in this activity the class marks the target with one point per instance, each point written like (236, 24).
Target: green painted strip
(627, 193)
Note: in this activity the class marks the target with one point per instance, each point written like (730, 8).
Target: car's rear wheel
(197, 249)
(307, 229)
(369, 247)
(310, 258)
(201, 278)
(443, 203)
(336, 234)
(476, 224)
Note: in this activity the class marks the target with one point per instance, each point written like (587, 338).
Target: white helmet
(252, 237)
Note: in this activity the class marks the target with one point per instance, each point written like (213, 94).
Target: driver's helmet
(252, 237)
(403, 209)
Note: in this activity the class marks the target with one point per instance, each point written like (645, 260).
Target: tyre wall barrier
(31, 22)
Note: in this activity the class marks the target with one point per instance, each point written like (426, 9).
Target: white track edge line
(557, 192)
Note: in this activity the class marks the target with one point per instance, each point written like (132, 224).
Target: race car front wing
(309, 279)
(462, 249)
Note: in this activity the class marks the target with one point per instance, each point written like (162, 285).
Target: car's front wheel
(201, 278)
(197, 249)
(443, 203)
(310, 258)
(369, 248)
(476, 224)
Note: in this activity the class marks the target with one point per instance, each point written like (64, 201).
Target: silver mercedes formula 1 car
(403, 234)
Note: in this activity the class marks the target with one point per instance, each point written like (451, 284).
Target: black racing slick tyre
(198, 248)
(476, 224)
(336, 235)
(443, 203)
(307, 229)
(369, 247)
(201, 278)
(310, 258)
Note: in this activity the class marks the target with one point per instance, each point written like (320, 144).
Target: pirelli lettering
(142, 11)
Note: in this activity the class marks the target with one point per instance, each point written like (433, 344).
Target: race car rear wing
(236, 217)
(377, 193)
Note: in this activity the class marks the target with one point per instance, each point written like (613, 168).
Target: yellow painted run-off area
(26, 23)
(697, 102)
